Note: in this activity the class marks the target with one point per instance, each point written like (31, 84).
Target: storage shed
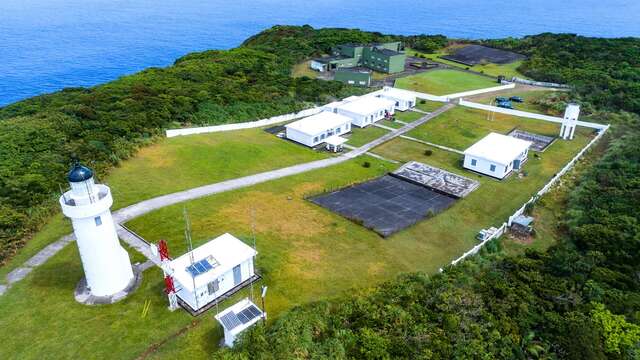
(404, 100)
(315, 129)
(367, 109)
(213, 270)
(496, 155)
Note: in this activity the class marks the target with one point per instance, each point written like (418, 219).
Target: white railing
(534, 198)
(244, 125)
(525, 114)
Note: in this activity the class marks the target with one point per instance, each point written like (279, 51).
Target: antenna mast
(187, 235)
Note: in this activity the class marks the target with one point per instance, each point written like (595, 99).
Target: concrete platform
(83, 293)
(436, 179)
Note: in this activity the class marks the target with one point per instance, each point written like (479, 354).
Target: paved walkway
(127, 213)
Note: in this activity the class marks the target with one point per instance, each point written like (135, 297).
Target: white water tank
(106, 264)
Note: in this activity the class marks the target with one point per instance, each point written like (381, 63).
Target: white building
(496, 155)
(404, 100)
(106, 264)
(315, 129)
(237, 318)
(367, 109)
(570, 121)
(211, 270)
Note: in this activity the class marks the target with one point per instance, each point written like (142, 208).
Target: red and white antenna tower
(165, 263)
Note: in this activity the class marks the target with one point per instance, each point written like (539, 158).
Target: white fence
(540, 83)
(245, 125)
(533, 199)
(480, 91)
(525, 114)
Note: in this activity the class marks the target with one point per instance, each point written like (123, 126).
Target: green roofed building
(354, 76)
(381, 57)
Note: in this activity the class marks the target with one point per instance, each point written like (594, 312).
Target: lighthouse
(106, 264)
(570, 121)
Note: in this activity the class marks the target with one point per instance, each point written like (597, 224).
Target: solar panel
(230, 320)
(199, 267)
(249, 314)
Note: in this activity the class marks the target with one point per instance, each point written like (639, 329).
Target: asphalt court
(385, 205)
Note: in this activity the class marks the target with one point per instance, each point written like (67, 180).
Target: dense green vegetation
(604, 72)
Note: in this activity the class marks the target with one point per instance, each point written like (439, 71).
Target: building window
(322, 137)
(474, 162)
(98, 220)
(492, 168)
(338, 131)
(315, 139)
(213, 287)
(506, 168)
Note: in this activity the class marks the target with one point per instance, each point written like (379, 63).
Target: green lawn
(408, 116)
(181, 163)
(461, 127)
(301, 260)
(529, 99)
(391, 124)
(428, 106)
(306, 253)
(303, 69)
(443, 82)
(361, 136)
(508, 70)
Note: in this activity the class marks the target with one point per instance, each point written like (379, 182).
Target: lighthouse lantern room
(106, 264)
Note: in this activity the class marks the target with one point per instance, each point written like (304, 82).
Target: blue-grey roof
(523, 220)
(79, 173)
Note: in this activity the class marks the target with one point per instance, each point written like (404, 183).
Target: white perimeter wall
(244, 125)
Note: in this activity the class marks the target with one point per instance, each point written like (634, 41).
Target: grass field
(443, 82)
(529, 99)
(181, 163)
(361, 136)
(305, 252)
(461, 127)
(301, 260)
(303, 69)
(508, 70)
(428, 106)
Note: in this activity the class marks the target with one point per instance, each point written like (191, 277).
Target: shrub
(366, 164)
(428, 152)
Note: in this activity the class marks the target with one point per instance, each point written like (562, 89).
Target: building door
(516, 164)
(237, 275)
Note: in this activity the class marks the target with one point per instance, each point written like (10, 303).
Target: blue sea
(47, 45)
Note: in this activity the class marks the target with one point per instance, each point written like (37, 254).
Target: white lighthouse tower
(570, 121)
(106, 264)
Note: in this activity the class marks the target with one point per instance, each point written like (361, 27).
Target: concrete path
(127, 213)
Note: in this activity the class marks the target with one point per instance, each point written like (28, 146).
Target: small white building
(315, 129)
(237, 318)
(367, 109)
(404, 100)
(212, 270)
(570, 121)
(496, 155)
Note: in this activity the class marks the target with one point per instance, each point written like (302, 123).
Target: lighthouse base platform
(84, 296)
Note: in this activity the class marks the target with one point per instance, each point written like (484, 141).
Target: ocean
(47, 45)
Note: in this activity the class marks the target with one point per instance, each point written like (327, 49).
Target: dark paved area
(475, 54)
(540, 142)
(385, 205)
